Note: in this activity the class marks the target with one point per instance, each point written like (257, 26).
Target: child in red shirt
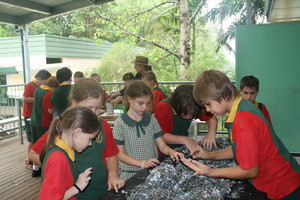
(262, 157)
(158, 94)
(28, 97)
(73, 131)
(249, 87)
(87, 92)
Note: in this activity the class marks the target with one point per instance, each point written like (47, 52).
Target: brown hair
(85, 88)
(137, 89)
(71, 119)
(78, 74)
(94, 75)
(249, 81)
(128, 76)
(213, 85)
(150, 76)
(183, 102)
(52, 82)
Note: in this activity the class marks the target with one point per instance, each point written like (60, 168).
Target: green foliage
(206, 58)
(7, 31)
(237, 10)
(115, 63)
(155, 20)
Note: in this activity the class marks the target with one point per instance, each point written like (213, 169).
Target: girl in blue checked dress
(138, 134)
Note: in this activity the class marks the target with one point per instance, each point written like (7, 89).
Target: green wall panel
(271, 52)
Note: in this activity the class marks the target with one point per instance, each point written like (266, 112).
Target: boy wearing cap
(261, 156)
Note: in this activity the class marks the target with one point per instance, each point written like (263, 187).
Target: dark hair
(128, 76)
(79, 74)
(249, 81)
(63, 74)
(85, 88)
(71, 119)
(52, 82)
(150, 76)
(43, 74)
(183, 102)
(214, 85)
(147, 67)
(137, 89)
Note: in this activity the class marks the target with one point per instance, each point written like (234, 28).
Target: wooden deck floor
(16, 181)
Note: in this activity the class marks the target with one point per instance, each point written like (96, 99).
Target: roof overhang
(21, 12)
(8, 70)
(282, 10)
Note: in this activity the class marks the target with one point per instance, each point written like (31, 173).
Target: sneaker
(36, 173)
(28, 164)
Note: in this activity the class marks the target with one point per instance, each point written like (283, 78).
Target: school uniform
(103, 146)
(58, 172)
(47, 104)
(60, 97)
(27, 107)
(264, 110)
(158, 95)
(170, 122)
(36, 119)
(255, 143)
(138, 139)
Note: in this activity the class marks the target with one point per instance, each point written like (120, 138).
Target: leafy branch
(137, 36)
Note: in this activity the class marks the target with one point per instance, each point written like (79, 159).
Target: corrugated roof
(21, 12)
(282, 10)
(8, 70)
(54, 47)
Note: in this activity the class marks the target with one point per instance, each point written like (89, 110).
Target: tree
(151, 17)
(7, 31)
(238, 9)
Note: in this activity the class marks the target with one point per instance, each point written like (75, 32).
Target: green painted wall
(271, 52)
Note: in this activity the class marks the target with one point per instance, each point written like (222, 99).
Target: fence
(11, 105)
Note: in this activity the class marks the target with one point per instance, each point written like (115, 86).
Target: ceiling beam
(8, 19)
(60, 9)
(28, 5)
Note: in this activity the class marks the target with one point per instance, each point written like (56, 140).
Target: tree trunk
(184, 35)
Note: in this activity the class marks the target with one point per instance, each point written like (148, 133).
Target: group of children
(80, 152)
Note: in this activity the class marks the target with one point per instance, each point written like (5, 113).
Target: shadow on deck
(16, 181)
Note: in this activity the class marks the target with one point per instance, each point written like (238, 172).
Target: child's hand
(190, 143)
(199, 168)
(84, 179)
(153, 162)
(199, 152)
(176, 156)
(208, 141)
(114, 182)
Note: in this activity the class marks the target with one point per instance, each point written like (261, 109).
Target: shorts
(28, 129)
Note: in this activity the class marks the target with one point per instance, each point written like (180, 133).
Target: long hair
(137, 89)
(85, 88)
(213, 85)
(71, 119)
(183, 102)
